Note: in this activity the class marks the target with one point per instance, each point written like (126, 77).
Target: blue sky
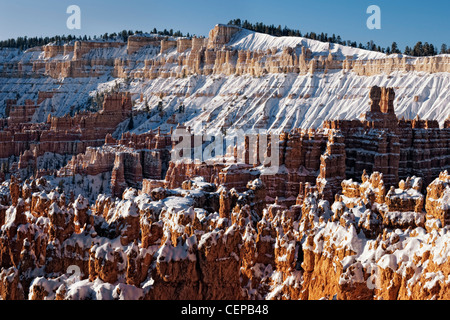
(403, 21)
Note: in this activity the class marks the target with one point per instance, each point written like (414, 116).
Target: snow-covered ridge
(254, 41)
(273, 93)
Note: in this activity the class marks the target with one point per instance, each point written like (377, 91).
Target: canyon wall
(215, 57)
(397, 148)
(206, 56)
(321, 158)
(378, 142)
(62, 135)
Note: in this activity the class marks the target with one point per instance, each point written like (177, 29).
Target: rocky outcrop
(436, 205)
(135, 42)
(129, 161)
(212, 56)
(60, 132)
(413, 147)
(379, 142)
(21, 114)
(204, 241)
(397, 148)
(127, 170)
(203, 56)
(332, 166)
(221, 35)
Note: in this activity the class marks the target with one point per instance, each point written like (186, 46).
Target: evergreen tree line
(24, 43)
(419, 50)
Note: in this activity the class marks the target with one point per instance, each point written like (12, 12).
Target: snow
(249, 40)
(54, 209)
(167, 252)
(175, 204)
(127, 292)
(209, 239)
(326, 102)
(434, 277)
(99, 290)
(405, 217)
(388, 261)
(87, 186)
(445, 200)
(81, 203)
(335, 95)
(405, 194)
(241, 101)
(124, 209)
(104, 252)
(342, 237)
(10, 217)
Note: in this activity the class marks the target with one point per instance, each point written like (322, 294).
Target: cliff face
(321, 158)
(61, 135)
(397, 148)
(216, 56)
(269, 76)
(212, 55)
(372, 242)
(379, 142)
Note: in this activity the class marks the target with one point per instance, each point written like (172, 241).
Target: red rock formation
(21, 114)
(66, 135)
(309, 251)
(332, 166)
(404, 205)
(10, 287)
(437, 207)
(135, 42)
(105, 263)
(42, 96)
(381, 142)
(378, 143)
(221, 35)
(206, 56)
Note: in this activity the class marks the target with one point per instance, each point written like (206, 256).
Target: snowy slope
(273, 101)
(249, 40)
(332, 96)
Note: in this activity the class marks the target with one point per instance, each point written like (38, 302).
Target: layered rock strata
(206, 56)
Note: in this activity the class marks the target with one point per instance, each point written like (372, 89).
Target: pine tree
(408, 51)
(427, 50)
(131, 122)
(433, 50)
(394, 48)
(417, 51)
